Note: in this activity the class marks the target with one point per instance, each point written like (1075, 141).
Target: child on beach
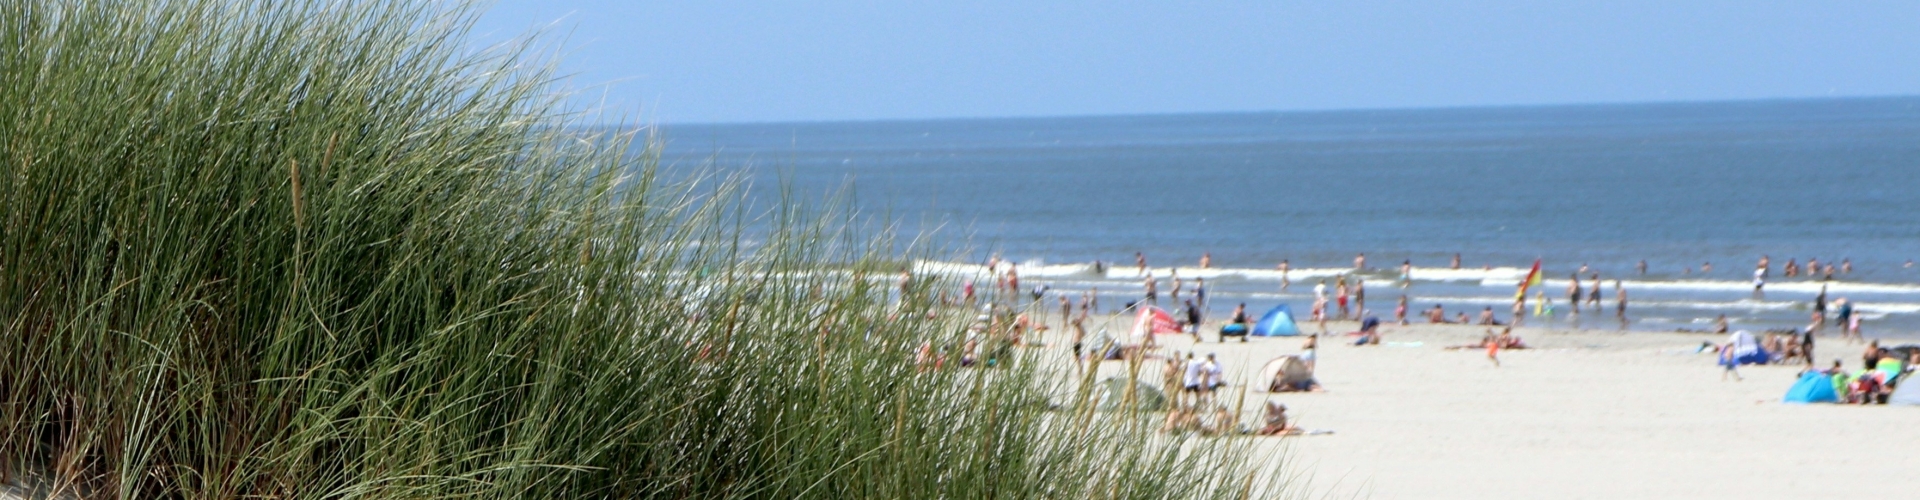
(1400, 311)
(1493, 347)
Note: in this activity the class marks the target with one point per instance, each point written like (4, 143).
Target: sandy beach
(1583, 414)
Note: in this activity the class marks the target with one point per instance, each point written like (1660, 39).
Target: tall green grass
(318, 249)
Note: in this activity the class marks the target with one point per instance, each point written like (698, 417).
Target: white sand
(1592, 414)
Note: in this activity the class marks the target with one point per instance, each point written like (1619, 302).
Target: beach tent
(1284, 371)
(1277, 322)
(1814, 387)
(1907, 393)
(1892, 368)
(1154, 320)
(1746, 350)
(1111, 392)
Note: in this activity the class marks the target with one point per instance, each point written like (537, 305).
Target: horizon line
(1587, 104)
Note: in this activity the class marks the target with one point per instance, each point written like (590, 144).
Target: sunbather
(1276, 421)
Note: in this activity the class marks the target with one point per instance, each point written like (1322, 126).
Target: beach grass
(325, 249)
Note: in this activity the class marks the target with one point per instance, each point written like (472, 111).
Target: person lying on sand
(1275, 416)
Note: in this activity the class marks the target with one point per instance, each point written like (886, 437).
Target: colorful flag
(1533, 278)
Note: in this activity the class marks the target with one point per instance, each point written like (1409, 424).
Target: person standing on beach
(1066, 309)
(1195, 379)
(1820, 307)
(1806, 345)
(1177, 285)
(1842, 313)
(1206, 260)
(1153, 290)
(1193, 320)
(1400, 311)
(1092, 300)
(1200, 292)
(1340, 296)
(1359, 297)
(1620, 304)
(1573, 293)
(1593, 297)
(1013, 281)
(1283, 274)
(1406, 273)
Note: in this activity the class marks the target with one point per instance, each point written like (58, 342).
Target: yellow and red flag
(1533, 278)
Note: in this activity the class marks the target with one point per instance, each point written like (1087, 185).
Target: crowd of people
(1193, 381)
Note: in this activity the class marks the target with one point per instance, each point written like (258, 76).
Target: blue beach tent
(1277, 322)
(1814, 387)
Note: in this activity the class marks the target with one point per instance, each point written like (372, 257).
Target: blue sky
(735, 61)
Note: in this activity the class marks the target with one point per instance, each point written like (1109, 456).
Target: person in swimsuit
(1456, 262)
(1340, 296)
(1284, 283)
(1200, 292)
(1406, 273)
(1620, 304)
(1240, 318)
(1153, 290)
(1206, 260)
(1360, 262)
(1359, 297)
(1642, 267)
(1593, 297)
(1400, 311)
(1792, 269)
(1193, 320)
(1140, 261)
(1493, 347)
(1573, 293)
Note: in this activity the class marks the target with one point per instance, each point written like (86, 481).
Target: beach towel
(1814, 387)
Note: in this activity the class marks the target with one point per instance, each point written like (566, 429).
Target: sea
(1700, 192)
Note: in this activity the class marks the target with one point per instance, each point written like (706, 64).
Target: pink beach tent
(1154, 320)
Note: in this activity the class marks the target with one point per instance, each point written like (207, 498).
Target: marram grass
(319, 249)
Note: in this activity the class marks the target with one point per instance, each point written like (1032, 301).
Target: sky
(775, 61)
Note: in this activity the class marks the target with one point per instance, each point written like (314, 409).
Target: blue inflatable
(1814, 387)
(1277, 322)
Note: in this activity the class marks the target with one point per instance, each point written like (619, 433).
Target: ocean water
(1605, 186)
